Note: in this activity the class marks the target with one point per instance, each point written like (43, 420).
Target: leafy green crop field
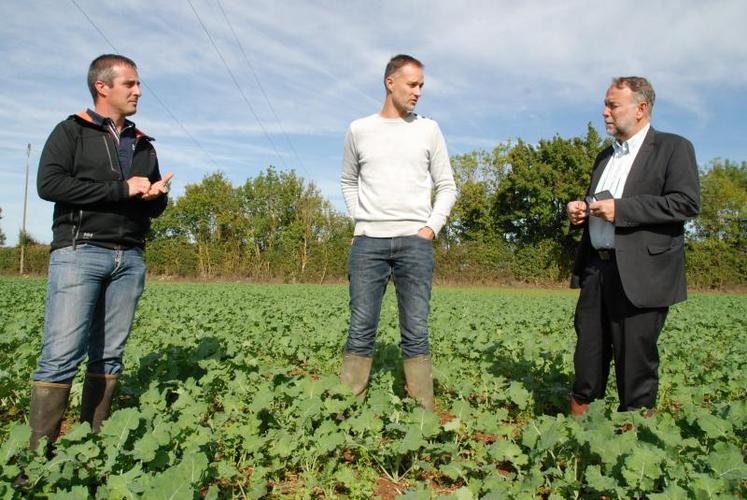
(231, 391)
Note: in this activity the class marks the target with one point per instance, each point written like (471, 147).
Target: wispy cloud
(494, 70)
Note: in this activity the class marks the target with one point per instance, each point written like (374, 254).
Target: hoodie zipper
(109, 155)
(76, 229)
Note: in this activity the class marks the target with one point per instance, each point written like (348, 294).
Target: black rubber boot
(96, 403)
(48, 403)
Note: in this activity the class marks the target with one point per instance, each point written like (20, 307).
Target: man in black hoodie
(102, 174)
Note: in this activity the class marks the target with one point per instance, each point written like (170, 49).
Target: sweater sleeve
(350, 172)
(443, 181)
(56, 182)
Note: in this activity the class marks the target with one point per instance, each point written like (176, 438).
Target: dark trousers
(610, 327)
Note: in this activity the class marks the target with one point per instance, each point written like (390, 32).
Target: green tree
(478, 176)
(717, 253)
(276, 225)
(290, 221)
(530, 206)
(723, 213)
(207, 217)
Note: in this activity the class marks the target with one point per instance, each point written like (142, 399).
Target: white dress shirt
(613, 179)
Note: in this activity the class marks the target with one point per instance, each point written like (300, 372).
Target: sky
(237, 86)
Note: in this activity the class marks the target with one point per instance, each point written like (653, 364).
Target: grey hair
(642, 89)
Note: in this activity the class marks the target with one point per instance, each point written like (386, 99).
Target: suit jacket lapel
(598, 169)
(640, 161)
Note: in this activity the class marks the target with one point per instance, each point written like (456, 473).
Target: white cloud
(494, 69)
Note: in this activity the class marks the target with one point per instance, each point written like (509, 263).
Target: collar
(631, 145)
(94, 118)
(103, 121)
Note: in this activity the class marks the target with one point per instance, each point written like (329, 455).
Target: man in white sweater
(391, 162)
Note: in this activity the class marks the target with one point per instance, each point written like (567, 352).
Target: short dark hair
(102, 68)
(641, 88)
(396, 62)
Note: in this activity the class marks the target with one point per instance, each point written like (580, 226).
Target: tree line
(508, 224)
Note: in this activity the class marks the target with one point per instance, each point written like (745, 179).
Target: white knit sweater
(389, 167)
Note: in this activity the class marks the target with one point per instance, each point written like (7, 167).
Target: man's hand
(426, 233)
(604, 209)
(159, 188)
(137, 186)
(576, 212)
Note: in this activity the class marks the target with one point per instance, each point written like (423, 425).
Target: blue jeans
(91, 299)
(409, 260)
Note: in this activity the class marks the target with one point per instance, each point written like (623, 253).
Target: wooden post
(25, 204)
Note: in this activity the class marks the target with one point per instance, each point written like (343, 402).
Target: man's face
(124, 92)
(405, 87)
(622, 115)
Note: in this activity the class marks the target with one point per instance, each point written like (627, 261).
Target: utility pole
(25, 202)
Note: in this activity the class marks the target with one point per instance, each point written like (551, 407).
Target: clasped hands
(578, 211)
(141, 186)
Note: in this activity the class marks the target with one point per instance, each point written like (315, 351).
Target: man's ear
(643, 109)
(388, 83)
(102, 89)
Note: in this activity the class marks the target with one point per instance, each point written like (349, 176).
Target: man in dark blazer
(630, 264)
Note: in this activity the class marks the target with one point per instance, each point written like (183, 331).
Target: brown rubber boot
(96, 403)
(419, 377)
(354, 373)
(48, 403)
(578, 409)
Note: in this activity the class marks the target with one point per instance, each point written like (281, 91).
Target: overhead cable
(150, 90)
(236, 83)
(261, 88)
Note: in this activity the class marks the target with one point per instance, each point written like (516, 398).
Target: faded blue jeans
(409, 260)
(91, 299)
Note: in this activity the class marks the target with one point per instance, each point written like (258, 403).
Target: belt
(606, 253)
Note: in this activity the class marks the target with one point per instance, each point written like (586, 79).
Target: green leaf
(705, 486)
(671, 492)
(506, 451)
(78, 432)
(518, 394)
(463, 493)
(284, 445)
(426, 421)
(125, 486)
(262, 400)
(329, 440)
(412, 441)
(117, 427)
(597, 481)
(180, 480)
(145, 448)
(345, 476)
(714, 427)
(18, 439)
(75, 493)
(727, 462)
(643, 466)
(452, 470)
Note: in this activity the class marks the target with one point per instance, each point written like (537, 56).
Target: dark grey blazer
(661, 193)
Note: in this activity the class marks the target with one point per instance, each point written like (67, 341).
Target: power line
(259, 84)
(236, 83)
(150, 90)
